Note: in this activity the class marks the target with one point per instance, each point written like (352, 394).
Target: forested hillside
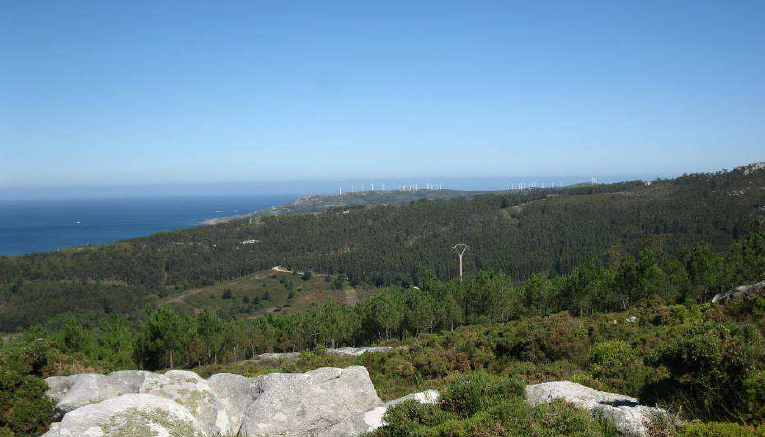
(643, 327)
(355, 199)
(268, 291)
(517, 233)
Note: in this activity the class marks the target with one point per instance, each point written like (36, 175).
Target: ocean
(35, 220)
(46, 225)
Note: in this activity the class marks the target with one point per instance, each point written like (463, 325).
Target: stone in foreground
(629, 416)
(326, 402)
(373, 419)
(308, 404)
(184, 388)
(131, 415)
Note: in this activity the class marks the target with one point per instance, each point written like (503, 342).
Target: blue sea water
(46, 225)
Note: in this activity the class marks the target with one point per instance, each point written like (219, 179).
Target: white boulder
(629, 416)
(235, 393)
(129, 415)
(308, 404)
(344, 351)
(356, 351)
(278, 355)
(72, 392)
(194, 393)
(326, 402)
(373, 419)
(184, 388)
(423, 397)
(744, 292)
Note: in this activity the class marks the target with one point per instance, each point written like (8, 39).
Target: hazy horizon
(296, 187)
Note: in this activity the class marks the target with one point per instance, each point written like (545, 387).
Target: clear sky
(131, 92)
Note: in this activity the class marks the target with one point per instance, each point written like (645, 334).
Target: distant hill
(321, 203)
(267, 291)
(545, 231)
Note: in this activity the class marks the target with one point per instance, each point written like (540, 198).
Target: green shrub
(717, 429)
(400, 366)
(405, 418)
(616, 364)
(754, 395)
(758, 308)
(516, 418)
(432, 362)
(24, 409)
(477, 391)
(710, 367)
(544, 340)
(562, 419)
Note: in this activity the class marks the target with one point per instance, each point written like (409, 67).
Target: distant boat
(218, 211)
(78, 222)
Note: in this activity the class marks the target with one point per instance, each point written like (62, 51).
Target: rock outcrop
(373, 419)
(630, 417)
(72, 392)
(347, 351)
(185, 389)
(308, 404)
(751, 168)
(356, 351)
(744, 292)
(423, 397)
(129, 415)
(279, 355)
(328, 402)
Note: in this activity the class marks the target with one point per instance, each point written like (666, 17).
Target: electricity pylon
(460, 249)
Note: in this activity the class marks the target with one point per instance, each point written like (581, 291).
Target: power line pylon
(460, 249)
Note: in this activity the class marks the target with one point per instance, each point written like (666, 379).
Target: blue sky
(152, 92)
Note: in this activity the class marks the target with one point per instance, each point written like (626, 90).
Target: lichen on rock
(157, 422)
